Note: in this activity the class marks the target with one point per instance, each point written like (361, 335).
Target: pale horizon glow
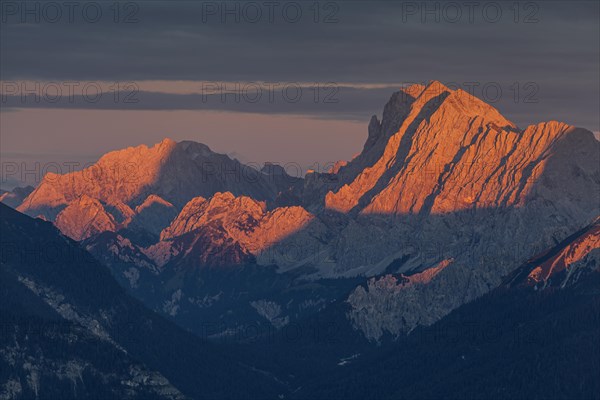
(48, 135)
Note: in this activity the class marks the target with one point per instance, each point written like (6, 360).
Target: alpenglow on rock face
(176, 172)
(133, 184)
(442, 176)
(459, 181)
(444, 172)
(453, 152)
(237, 224)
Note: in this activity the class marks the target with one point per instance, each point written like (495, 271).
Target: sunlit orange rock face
(143, 188)
(86, 216)
(239, 222)
(436, 152)
(446, 198)
(83, 218)
(237, 215)
(568, 259)
(451, 152)
(117, 177)
(175, 172)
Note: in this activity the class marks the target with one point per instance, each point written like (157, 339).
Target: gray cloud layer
(370, 42)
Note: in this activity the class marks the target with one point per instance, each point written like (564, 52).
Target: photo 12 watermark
(16, 93)
(270, 12)
(69, 12)
(469, 12)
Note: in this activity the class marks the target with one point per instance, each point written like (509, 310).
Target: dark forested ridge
(70, 331)
(512, 343)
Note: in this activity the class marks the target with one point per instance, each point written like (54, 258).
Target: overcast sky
(277, 81)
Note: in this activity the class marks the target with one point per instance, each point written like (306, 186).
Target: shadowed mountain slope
(49, 283)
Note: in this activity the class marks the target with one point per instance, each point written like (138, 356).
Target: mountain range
(449, 210)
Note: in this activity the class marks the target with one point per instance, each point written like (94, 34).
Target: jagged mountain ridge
(451, 152)
(173, 171)
(475, 158)
(505, 160)
(124, 183)
(443, 176)
(241, 221)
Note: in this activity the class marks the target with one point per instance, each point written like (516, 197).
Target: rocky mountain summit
(446, 198)
(176, 172)
(453, 152)
(145, 187)
(241, 221)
